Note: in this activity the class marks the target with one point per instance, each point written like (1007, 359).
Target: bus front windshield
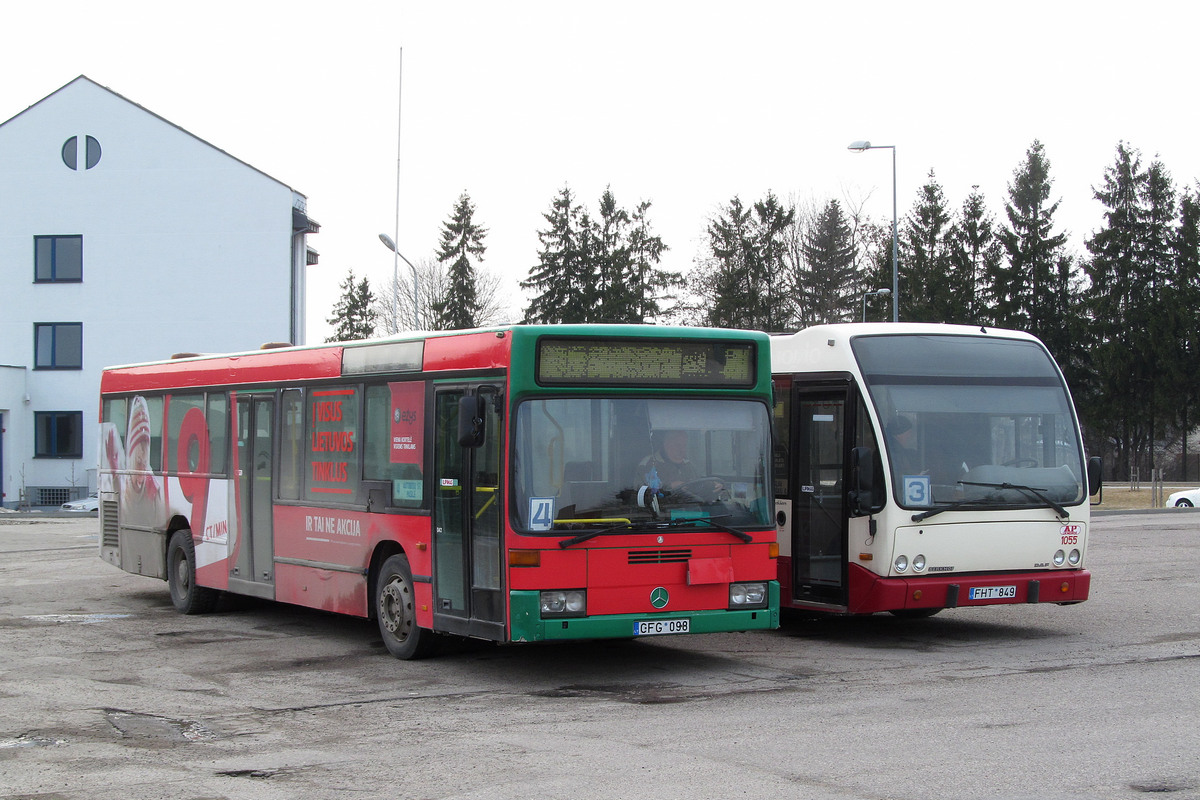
(972, 421)
(594, 462)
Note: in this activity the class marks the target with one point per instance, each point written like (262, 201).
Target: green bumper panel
(528, 625)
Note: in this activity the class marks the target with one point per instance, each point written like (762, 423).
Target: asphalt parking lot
(106, 692)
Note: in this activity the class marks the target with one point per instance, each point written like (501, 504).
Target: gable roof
(206, 143)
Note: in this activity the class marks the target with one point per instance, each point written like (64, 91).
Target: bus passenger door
(466, 517)
(254, 566)
(817, 489)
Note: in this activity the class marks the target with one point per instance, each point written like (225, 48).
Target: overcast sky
(684, 104)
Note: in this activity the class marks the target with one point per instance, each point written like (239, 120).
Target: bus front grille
(659, 556)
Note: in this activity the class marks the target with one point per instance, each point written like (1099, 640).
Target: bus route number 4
(541, 513)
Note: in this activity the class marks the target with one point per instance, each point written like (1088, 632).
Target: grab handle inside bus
(865, 468)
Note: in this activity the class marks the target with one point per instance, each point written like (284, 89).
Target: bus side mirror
(470, 420)
(1094, 473)
(866, 473)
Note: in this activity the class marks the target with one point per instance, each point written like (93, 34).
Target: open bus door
(466, 515)
(811, 426)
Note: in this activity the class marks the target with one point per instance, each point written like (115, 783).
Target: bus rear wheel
(181, 577)
(395, 610)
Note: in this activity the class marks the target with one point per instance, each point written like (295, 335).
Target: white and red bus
(921, 467)
(500, 484)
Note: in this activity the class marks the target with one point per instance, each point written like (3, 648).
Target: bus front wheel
(181, 577)
(395, 609)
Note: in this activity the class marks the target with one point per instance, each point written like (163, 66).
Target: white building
(124, 238)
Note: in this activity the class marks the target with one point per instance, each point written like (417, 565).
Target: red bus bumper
(870, 592)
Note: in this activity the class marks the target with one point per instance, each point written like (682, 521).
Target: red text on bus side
(329, 471)
(333, 442)
(328, 410)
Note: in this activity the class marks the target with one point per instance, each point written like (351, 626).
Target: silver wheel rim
(183, 574)
(395, 608)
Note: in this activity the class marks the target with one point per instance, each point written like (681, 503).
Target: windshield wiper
(933, 512)
(1038, 493)
(675, 523)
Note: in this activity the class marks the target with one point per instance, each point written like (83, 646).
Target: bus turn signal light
(773, 550)
(524, 558)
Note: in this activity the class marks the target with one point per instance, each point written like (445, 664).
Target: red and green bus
(523, 483)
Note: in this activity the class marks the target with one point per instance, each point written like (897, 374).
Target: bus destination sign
(645, 362)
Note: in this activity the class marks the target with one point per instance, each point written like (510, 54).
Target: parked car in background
(88, 505)
(1186, 498)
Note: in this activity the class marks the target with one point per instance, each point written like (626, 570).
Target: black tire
(181, 577)
(395, 611)
(1183, 502)
(914, 613)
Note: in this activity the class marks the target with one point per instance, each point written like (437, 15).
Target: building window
(57, 259)
(58, 434)
(70, 152)
(58, 345)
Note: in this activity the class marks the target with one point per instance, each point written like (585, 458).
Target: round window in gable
(70, 152)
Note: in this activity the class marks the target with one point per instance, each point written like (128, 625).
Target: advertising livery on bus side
(516, 484)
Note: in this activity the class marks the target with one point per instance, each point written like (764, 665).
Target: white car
(1184, 499)
(87, 505)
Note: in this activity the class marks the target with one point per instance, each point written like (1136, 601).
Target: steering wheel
(708, 489)
(1021, 462)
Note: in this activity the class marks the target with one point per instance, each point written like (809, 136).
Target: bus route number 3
(1071, 533)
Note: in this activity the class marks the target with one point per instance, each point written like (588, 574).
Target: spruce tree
(353, 316)
(829, 284)
(563, 277)
(975, 256)
(1184, 316)
(1025, 284)
(926, 288)
(608, 247)
(743, 282)
(1131, 271)
(649, 287)
(462, 243)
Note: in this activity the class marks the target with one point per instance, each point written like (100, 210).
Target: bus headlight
(918, 563)
(565, 603)
(901, 563)
(1073, 559)
(1059, 558)
(747, 595)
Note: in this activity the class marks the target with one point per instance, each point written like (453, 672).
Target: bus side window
(183, 451)
(217, 417)
(393, 448)
(154, 409)
(291, 444)
(333, 416)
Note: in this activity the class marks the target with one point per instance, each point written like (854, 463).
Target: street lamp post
(876, 293)
(391, 245)
(858, 147)
(389, 241)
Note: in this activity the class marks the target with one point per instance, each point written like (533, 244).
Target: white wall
(185, 248)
